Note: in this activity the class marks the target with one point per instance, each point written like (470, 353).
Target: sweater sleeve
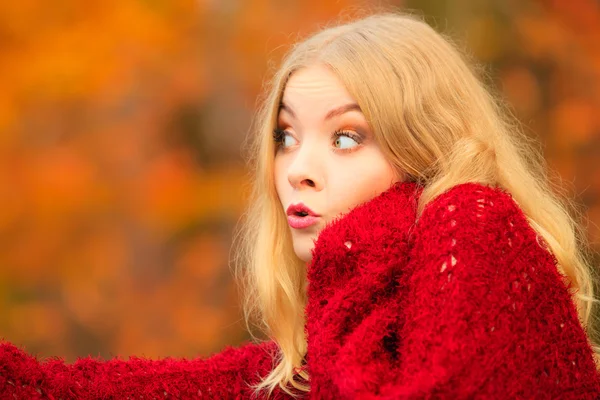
(487, 314)
(223, 375)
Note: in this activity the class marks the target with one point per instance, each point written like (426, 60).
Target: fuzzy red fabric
(464, 303)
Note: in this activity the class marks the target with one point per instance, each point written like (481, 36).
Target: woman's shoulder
(472, 200)
(485, 225)
(480, 214)
(484, 296)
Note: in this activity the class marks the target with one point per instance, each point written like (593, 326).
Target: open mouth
(300, 216)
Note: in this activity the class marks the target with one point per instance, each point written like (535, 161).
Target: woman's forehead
(316, 88)
(314, 80)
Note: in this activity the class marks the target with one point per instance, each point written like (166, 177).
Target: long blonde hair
(435, 121)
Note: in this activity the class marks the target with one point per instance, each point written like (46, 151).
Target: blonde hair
(437, 123)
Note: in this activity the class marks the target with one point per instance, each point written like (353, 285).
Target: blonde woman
(402, 242)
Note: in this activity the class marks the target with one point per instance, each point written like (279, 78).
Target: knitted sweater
(465, 302)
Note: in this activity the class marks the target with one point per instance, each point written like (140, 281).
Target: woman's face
(327, 161)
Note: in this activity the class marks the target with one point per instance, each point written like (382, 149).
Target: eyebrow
(332, 113)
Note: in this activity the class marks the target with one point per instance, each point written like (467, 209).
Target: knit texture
(222, 376)
(463, 303)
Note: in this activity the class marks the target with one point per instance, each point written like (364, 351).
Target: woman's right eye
(288, 140)
(283, 138)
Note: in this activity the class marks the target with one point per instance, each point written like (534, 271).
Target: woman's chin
(303, 252)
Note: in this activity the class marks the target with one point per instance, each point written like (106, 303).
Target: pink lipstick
(300, 216)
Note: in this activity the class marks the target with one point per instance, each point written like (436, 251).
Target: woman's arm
(223, 375)
(487, 314)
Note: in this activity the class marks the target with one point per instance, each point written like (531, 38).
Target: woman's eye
(345, 142)
(288, 140)
(283, 139)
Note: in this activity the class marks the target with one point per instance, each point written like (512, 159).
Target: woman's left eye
(345, 140)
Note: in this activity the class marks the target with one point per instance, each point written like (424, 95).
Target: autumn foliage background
(121, 176)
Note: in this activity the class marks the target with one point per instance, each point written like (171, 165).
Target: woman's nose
(305, 170)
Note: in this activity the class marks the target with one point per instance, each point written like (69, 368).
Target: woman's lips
(300, 216)
(298, 222)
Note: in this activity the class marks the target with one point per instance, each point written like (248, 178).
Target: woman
(402, 242)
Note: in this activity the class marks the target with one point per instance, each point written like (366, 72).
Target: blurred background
(121, 124)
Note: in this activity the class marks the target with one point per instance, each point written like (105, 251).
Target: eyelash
(279, 134)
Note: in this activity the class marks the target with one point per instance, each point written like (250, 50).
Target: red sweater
(463, 303)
